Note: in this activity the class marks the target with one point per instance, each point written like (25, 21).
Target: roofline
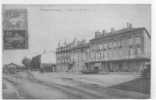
(147, 33)
(112, 34)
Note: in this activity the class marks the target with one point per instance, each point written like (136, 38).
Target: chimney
(59, 44)
(65, 43)
(103, 32)
(112, 30)
(129, 25)
(97, 34)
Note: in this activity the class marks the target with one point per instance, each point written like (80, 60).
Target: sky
(49, 24)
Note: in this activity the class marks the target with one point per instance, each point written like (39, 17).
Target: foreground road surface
(46, 86)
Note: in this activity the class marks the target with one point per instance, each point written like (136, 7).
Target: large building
(72, 57)
(125, 50)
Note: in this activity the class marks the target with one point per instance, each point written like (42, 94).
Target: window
(96, 56)
(137, 40)
(99, 47)
(104, 46)
(104, 55)
(92, 48)
(122, 43)
(101, 55)
(96, 48)
(138, 50)
(132, 52)
(110, 45)
(110, 54)
(93, 55)
(115, 44)
(130, 41)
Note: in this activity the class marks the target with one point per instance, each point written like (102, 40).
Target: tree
(26, 62)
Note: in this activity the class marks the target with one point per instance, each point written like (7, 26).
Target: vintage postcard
(74, 51)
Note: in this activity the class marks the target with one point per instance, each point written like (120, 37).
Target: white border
(76, 1)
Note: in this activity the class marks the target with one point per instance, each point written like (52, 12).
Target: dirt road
(28, 87)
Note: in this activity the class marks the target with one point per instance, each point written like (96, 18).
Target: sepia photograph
(76, 51)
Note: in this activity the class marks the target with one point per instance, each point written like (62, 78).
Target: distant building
(12, 65)
(48, 67)
(43, 61)
(12, 68)
(35, 62)
(125, 50)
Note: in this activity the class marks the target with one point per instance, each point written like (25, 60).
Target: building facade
(72, 57)
(125, 50)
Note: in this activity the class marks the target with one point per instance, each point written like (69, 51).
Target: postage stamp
(15, 34)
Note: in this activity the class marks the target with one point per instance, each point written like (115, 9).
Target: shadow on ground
(141, 85)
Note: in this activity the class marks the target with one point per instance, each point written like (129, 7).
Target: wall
(147, 45)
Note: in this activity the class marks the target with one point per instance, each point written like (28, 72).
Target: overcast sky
(47, 24)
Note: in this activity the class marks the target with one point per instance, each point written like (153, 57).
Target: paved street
(67, 86)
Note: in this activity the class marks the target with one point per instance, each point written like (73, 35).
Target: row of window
(135, 42)
(117, 44)
(110, 45)
(116, 54)
(112, 54)
(63, 60)
(64, 55)
(71, 59)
